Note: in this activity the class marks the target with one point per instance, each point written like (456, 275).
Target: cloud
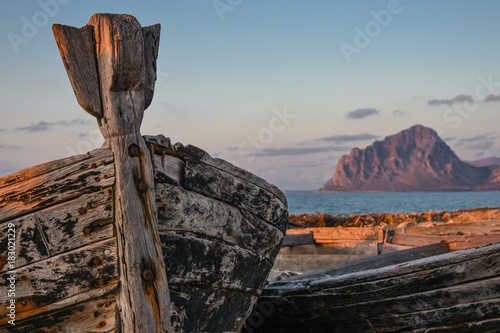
(457, 99)
(43, 126)
(361, 113)
(482, 141)
(492, 98)
(309, 164)
(9, 147)
(349, 137)
(398, 113)
(294, 151)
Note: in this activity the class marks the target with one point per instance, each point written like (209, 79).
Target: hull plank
(48, 167)
(185, 212)
(95, 315)
(220, 185)
(66, 183)
(47, 284)
(220, 310)
(60, 228)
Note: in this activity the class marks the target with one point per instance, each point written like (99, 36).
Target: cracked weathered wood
(97, 314)
(188, 213)
(125, 54)
(60, 185)
(75, 274)
(60, 228)
(76, 47)
(221, 185)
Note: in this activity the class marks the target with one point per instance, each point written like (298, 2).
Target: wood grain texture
(208, 309)
(188, 213)
(63, 184)
(74, 274)
(76, 47)
(60, 228)
(213, 285)
(93, 315)
(48, 167)
(201, 155)
(218, 184)
(455, 289)
(143, 303)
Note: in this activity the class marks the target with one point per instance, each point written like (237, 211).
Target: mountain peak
(415, 159)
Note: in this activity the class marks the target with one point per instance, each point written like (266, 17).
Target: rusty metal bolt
(148, 275)
(97, 261)
(102, 324)
(134, 150)
(83, 211)
(23, 302)
(87, 231)
(142, 186)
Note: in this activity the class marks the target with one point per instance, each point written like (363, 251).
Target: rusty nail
(87, 231)
(24, 278)
(148, 275)
(102, 324)
(142, 186)
(94, 166)
(23, 302)
(97, 261)
(97, 179)
(83, 211)
(134, 150)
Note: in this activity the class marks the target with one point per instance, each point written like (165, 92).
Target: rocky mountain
(416, 159)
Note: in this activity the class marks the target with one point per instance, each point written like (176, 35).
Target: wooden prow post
(111, 63)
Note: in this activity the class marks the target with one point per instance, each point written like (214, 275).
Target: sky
(280, 88)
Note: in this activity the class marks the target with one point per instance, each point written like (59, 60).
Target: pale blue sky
(223, 77)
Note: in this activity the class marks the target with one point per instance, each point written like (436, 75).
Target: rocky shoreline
(372, 220)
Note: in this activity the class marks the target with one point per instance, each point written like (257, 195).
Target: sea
(406, 202)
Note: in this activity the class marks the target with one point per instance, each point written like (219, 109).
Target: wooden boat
(139, 235)
(427, 290)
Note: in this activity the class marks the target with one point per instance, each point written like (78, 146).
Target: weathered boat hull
(217, 252)
(221, 229)
(452, 292)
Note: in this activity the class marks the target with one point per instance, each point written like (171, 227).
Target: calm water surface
(363, 203)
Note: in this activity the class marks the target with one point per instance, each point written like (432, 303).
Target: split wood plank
(81, 66)
(218, 184)
(455, 242)
(44, 168)
(73, 273)
(60, 228)
(184, 212)
(93, 315)
(63, 184)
